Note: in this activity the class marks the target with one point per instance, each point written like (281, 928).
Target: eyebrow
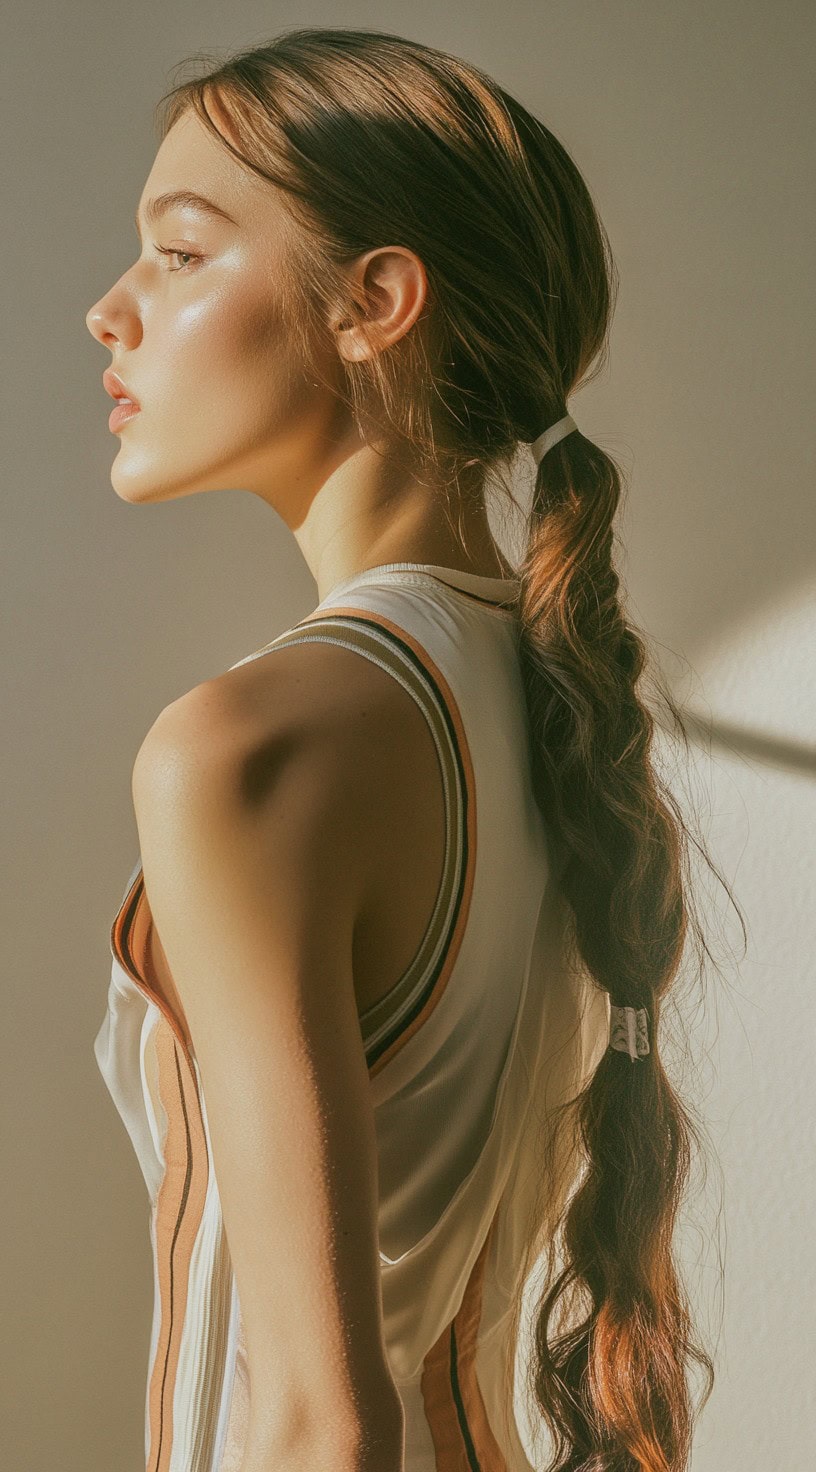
(180, 199)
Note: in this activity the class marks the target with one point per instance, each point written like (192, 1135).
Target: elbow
(359, 1438)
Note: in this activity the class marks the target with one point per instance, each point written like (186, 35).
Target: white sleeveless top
(460, 1053)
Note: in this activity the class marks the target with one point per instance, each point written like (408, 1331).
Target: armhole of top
(388, 1026)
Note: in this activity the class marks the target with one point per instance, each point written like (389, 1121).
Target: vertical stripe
(238, 1424)
(178, 1212)
(212, 1322)
(454, 1408)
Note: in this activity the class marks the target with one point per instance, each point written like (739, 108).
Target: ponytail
(612, 1387)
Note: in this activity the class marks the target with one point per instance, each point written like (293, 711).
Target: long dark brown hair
(373, 139)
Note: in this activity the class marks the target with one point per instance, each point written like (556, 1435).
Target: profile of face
(199, 340)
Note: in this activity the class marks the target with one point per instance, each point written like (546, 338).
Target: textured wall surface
(693, 126)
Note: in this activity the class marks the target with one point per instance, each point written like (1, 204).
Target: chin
(139, 492)
(140, 489)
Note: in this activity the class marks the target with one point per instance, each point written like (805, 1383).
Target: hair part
(371, 138)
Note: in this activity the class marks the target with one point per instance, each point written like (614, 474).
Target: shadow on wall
(777, 751)
(758, 670)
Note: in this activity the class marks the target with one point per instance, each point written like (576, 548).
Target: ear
(391, 287)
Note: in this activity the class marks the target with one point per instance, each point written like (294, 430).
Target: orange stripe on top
(178, 1213)
(454, 1408)
(424, 660)
(129, 945)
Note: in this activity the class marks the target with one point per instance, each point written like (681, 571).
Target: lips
(118, 390)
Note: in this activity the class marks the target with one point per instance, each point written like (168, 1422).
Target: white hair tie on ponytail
(551, 437)
(629, 1031)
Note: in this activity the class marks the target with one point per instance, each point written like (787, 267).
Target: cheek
(231, 330)
(257, 354)
(206, 323)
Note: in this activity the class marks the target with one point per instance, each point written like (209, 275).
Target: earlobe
(354, 342)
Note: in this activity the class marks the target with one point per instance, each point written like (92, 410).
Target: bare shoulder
(340, 702)
(345, 730)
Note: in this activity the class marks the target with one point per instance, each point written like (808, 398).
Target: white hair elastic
(551, 437)
(628, 1030)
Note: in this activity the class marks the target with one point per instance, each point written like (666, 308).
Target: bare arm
(249, 868)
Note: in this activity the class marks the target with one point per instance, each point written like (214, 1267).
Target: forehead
(189, 158)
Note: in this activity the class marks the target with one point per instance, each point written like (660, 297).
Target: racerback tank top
(466, 1052)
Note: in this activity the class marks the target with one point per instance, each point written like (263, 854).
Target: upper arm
(248, 834)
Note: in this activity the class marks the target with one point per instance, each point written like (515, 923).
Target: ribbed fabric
(485, 1022)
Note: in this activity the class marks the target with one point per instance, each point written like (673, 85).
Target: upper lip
(116, 388)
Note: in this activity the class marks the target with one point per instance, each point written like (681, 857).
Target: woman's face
(200, 342)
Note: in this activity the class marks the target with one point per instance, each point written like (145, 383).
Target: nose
(113, 319)
(97, 322)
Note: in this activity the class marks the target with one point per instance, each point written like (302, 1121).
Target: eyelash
(164, 252)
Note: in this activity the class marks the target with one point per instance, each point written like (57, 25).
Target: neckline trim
(493, 589)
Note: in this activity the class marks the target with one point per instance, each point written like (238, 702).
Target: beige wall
(694, 128)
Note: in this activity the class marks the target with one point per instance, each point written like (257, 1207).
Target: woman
(387, 977)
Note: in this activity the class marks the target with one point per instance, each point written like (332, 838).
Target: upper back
(441, 1044)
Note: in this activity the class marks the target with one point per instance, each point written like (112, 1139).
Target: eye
(188, 254)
